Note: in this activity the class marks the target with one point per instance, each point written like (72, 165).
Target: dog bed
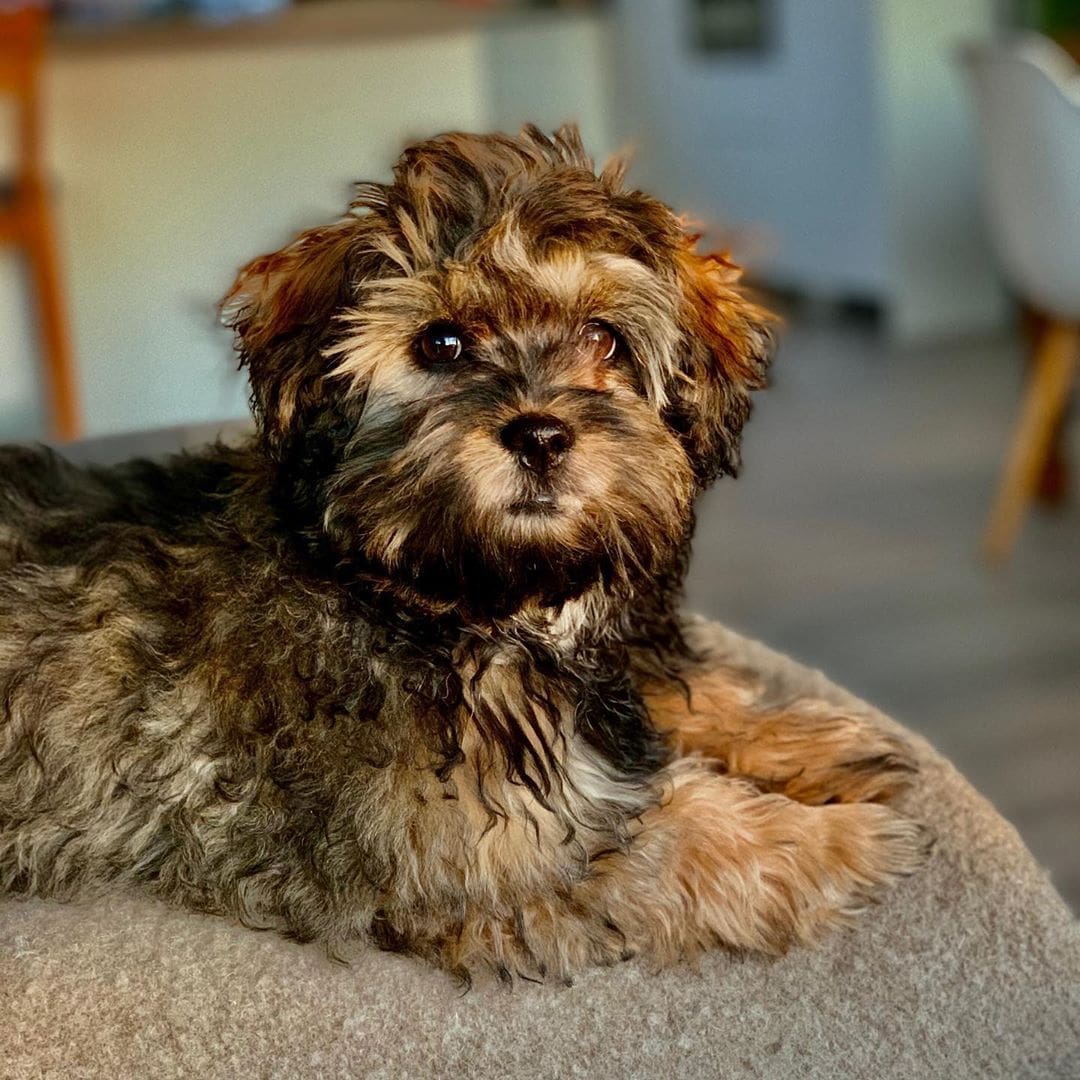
(971, 968)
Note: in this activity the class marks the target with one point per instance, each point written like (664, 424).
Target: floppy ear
(282, 308)
(728, 340)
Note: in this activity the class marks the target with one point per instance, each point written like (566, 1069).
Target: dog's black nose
(539, 442)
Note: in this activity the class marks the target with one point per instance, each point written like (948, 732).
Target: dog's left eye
(597, 342)
(442, 343)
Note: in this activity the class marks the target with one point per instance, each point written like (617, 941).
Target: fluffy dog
(409, 665)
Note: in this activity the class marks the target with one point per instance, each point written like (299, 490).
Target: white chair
(1027, 95)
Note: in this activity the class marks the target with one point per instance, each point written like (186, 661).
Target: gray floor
(850, 542)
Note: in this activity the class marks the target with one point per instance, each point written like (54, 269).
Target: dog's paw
(783, 874)
(548, 939)
(861, 850)
(819, 758)
(875, 767)
(869, 848)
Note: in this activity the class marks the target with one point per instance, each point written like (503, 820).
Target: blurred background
(846, 150)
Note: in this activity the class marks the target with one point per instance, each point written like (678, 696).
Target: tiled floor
(850, 541)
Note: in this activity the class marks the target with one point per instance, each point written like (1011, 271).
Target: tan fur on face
(375, 352)
(512, 293)
(594, 486)
(522, 310)
(599, 490)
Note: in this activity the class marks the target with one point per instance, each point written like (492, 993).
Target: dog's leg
(720, 861)
(715, 862)
(808, 750)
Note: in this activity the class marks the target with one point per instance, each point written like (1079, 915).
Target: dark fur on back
(335, 681)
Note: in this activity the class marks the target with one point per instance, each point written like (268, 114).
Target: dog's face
(503, 378)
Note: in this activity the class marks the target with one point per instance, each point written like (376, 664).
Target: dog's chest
(500, 795)
(536, 797)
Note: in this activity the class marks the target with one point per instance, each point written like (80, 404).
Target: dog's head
(503, 377)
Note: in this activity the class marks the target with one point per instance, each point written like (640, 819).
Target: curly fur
(334, 683)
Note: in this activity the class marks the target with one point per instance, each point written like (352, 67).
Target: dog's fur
(369, 675)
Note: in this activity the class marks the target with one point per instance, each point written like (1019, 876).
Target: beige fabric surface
(969, 969)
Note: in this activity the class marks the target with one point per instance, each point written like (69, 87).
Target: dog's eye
(597, 342)
(441, 343)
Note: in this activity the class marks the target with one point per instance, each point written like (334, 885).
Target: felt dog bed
(971, 968)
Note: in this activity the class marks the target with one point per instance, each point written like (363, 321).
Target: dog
(409, 665)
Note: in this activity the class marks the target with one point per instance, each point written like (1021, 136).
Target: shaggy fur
(397, 669)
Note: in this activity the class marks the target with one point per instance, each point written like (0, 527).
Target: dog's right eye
(441, 343)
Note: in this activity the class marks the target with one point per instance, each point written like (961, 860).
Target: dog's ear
(727, 345)
(283, 310)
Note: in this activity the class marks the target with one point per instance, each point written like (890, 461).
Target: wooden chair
(26, 218)
(1027, 94)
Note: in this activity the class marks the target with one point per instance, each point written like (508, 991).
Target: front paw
(818, 757)
(850, 854)
(768, 873)
(871, 847)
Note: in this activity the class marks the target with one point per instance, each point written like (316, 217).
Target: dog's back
(55, 513)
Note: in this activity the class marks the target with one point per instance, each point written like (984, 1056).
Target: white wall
(180, 166)
(176, 166)
(945, 277)
(549, 70)
(19, 405)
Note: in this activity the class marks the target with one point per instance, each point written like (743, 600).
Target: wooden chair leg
(1056, 478)
(60, 380)
(1044, 403)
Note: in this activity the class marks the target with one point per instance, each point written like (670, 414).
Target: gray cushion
(969, 969)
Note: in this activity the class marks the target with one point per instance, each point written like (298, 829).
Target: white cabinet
(846, 147)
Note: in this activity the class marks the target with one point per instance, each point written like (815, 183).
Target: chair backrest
(1027, 95)
(22, 46)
